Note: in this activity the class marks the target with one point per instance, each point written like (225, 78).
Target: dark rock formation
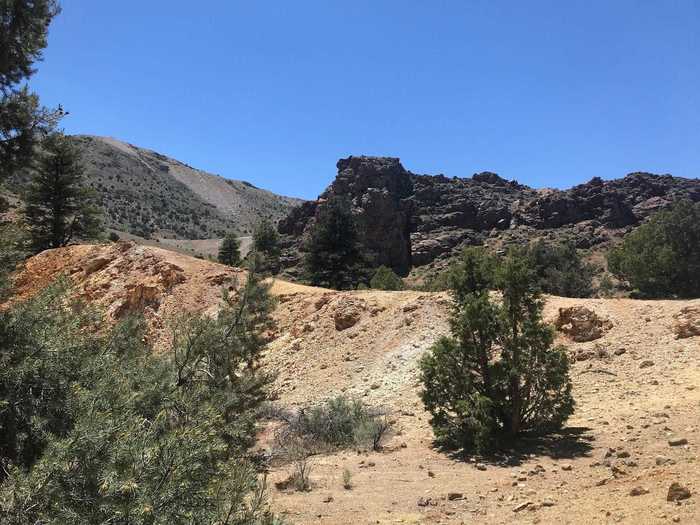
(409, 220)
(378, 188)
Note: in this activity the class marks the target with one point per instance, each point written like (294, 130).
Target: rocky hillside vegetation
(409, 221)
(150, 195)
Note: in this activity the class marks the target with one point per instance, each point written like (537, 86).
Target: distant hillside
(148, 194)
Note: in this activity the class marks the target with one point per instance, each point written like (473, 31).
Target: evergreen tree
(12, 252)
(230, 250)
(661, 258)
(266, 242)
(58, 207)
(23, 31)
(333, 257)
(95, 427)
(499, 374)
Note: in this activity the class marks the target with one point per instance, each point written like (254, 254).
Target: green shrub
(335, 424)
(560, 270)
(347, 479)
(385, 279)
(435, 283)
(661, 258)
(498, 375)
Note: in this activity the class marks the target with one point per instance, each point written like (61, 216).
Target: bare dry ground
(636, 428)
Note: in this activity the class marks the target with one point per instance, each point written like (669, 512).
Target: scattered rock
(617, 471)
(662, 460)
(677, 492)
(522, 506)
(583, 354)
(677, 441)
(646, 363)
(638, 491)
(452, 496)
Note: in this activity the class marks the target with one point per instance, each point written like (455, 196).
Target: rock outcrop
(408, 220)
(377, 188)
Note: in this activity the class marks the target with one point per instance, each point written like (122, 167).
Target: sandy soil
(637, 387)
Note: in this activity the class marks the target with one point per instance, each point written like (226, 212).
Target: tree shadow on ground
(567, 443)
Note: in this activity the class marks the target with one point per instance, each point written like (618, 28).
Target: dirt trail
(636, 388)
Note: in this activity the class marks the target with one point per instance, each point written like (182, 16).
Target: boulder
(581, 324)
(677, 492)
(346, 314)
(687, 322)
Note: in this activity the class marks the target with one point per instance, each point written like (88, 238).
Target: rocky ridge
(408, 220)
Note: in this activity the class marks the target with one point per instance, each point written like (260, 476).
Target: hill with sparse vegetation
(150, 195)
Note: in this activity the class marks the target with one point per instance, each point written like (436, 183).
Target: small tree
(661, 258)
(230, 250)
(499, 374)
(385, 279)
(59, 208)
(333, 257)
(266, 242)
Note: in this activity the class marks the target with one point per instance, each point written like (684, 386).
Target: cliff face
(409, 220)
(379, 189)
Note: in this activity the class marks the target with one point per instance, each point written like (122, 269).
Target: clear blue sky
(550, 93)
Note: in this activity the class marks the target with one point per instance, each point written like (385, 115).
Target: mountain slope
(151, 195)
